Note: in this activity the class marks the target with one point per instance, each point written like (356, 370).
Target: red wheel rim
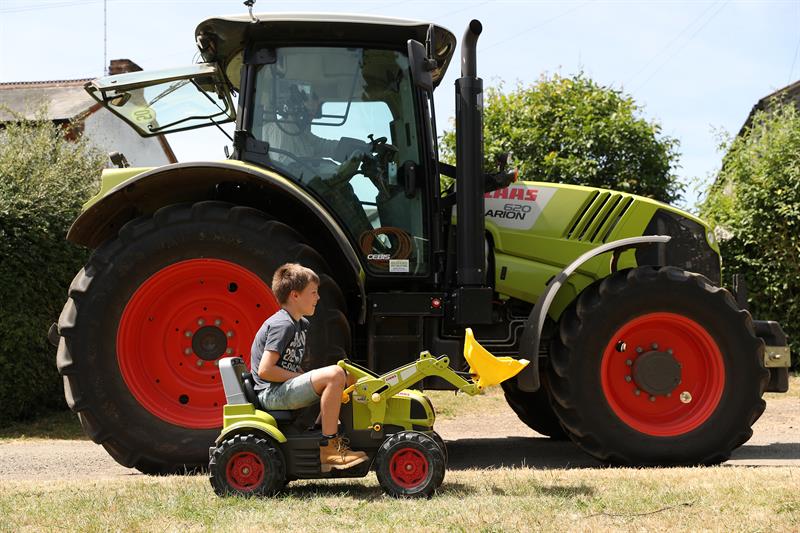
(175, 328)
(408, 468)
(702, 374)
(245, 471)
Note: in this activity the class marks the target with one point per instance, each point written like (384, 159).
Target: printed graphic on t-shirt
(293, 355)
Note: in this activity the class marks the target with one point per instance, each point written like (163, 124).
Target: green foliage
(572, 130)
(44, 180)
(755, 202)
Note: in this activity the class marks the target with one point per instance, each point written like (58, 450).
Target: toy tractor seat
(239, 387)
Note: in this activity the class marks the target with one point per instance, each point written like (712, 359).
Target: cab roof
(222, 38)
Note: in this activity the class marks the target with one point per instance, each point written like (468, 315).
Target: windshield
(341, 121)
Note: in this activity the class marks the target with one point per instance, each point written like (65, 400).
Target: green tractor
(637, 353)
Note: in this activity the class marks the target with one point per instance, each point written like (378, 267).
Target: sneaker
(336, 453)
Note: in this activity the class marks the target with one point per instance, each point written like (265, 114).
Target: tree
(44, 180)
(755, 204)
(572, 130)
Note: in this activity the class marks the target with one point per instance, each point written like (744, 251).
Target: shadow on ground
(517, 452)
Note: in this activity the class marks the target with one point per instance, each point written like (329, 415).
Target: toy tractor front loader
(259, 451)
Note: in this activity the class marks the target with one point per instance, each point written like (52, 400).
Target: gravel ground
(486, 439)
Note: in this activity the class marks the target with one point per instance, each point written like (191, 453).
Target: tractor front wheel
(657, 366)
(534, 408)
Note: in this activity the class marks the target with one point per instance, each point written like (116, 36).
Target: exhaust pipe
(470, 229)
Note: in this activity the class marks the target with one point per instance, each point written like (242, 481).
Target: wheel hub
(209, 343)
(177, 325)
(657, 373)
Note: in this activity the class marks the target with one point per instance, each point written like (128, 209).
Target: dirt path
(492, 438)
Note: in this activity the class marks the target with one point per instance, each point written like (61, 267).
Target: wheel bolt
(188, 351)
(655, 346)
(216, 363)
(686, 397)
(628, 379)
(669, 351)
(200, 321)
(639, 349)
(629, 362)
(229, 351)
(229, 334)
(217, 322)
(187, 333)
(637, 392)
(652, 398)
(199, 362)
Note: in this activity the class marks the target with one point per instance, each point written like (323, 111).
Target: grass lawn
(720, 498)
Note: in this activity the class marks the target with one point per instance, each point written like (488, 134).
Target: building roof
(65, 99)
(790, 93)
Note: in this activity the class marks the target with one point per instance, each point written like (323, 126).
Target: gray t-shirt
(279, 333)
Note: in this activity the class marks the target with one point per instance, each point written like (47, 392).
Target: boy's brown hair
(291, 277)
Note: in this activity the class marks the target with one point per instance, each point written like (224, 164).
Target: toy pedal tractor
(259, 451)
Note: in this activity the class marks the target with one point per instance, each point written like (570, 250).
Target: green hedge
(755, 203)
(44, 179)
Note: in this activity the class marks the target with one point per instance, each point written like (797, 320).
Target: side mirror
(420, 65)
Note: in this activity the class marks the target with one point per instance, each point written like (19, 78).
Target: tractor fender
(152, 189)
(252, 426)
(528, 379)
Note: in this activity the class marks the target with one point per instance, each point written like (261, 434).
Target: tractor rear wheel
(534, 408)
(154, 310)
(657, 366)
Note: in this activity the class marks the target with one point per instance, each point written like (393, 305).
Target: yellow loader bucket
(488, 369)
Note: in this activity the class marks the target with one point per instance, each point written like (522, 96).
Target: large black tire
(247, 465)
(152, 425)
(534, 408)
(679, 341)
(410, 464)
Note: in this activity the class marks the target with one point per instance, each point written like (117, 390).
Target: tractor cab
(345, 121)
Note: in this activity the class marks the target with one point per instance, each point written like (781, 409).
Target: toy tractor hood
(222, 40)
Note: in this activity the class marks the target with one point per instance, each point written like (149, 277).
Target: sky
(697, 68)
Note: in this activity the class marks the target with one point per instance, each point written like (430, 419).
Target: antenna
(249, 4)
(105, 37)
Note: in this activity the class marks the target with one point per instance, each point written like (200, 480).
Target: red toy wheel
(185, 317)
(245, 470)
(410, 464)
(408, 468)
(247, 465)
(669, 378)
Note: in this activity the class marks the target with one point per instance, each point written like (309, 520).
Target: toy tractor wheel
(656, 366)
(534, 408)
(442, 446)
(410, 464)
(247, 465)
(154, 310)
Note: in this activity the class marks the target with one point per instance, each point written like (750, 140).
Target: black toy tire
(94, 386)
(534, 408)
(584, 390)
(410, 464)
(247, 465)
(442, 446)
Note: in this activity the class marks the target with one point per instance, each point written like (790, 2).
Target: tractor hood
(222, 39)
(539, 228)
